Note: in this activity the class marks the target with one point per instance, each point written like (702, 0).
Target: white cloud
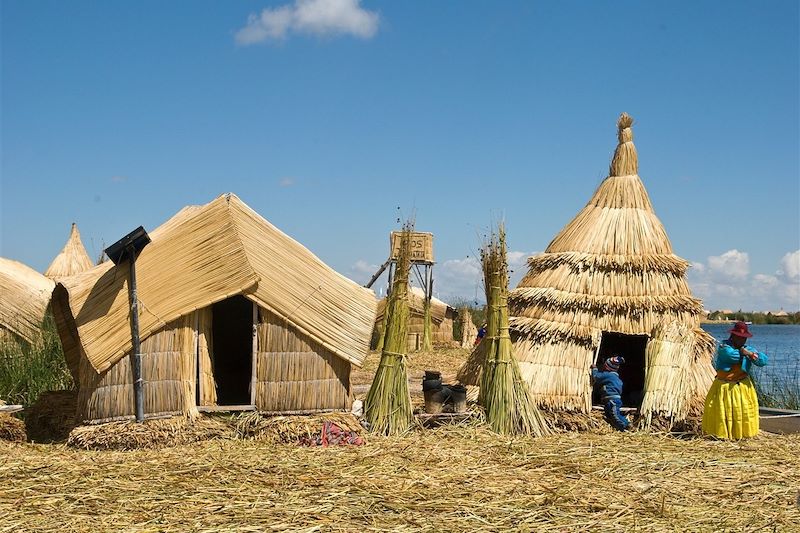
(286, 182)
(315, 17)
(725, 282)
(733, 264)
(119, 179)
(790, 266)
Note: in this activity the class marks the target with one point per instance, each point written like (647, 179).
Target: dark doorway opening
(232, 336)
(632, 348)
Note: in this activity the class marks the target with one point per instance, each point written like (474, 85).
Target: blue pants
(613, 414)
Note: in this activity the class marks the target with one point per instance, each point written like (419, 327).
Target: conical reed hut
(72, 259)
(24, 300)
(442, 319)
(610, 283)
(234, 315)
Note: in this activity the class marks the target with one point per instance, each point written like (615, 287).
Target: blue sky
(325, 116)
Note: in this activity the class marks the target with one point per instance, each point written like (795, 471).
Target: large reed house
(24, 299)
(609, 283)
(234, 314)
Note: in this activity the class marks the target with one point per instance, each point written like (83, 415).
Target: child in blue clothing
(610, 386)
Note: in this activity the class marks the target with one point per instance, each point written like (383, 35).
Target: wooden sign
(421, 246)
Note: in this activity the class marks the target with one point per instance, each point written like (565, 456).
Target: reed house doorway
(232, 348)
(632, 348)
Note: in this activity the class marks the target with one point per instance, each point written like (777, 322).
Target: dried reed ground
(447, 478)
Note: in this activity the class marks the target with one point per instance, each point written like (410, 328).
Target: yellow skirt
(731, 410)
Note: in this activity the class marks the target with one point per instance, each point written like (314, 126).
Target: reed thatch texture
(387, 407)
(204, 255)
(168, 373)
(504, 394)
(72, 259)
(468, 329)
(12, 429)
(24, 298)
(294, 373)
(668, 358)
(611, 269)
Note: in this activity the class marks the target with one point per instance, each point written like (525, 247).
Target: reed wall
(295, 373)
(167, 370)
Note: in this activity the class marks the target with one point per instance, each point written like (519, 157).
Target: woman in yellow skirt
(731, 410)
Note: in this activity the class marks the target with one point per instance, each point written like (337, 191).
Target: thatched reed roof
(202, 255)
(24, 297)
(72, 259)
(612, 267)
(416, 304)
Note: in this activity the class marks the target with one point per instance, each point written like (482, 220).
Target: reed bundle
(504, 395)
(290, 429)
(12, 429)
(445, 479)
(387, 406)
(72, 259)
(468, 330)
(427, 327)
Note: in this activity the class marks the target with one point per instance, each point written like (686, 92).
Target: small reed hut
(234, 315)
(609, 283)
(442, 319)
(72, 259)
(24, 300)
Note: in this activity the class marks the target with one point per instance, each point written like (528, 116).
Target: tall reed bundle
(387, 406)
(505, 396)
(72, 259)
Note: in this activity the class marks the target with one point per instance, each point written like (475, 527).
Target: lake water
(781, 343)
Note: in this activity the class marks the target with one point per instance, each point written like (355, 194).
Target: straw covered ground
(449, 478)
(459, 478)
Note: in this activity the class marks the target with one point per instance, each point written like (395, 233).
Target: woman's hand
(747, 353)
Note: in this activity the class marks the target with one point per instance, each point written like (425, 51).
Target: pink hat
(740, 330)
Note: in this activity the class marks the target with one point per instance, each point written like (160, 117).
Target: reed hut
(72, 259)
(234, 315)
(24, 300)
(442, 319)
(609, 283)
